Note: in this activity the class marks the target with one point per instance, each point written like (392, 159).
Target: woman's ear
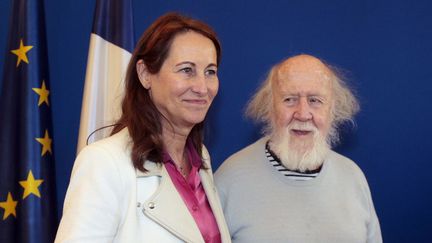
(143, 74)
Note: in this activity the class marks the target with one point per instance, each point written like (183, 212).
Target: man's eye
(315, 101)
(290, 100)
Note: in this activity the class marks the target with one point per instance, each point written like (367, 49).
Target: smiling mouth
(300, 132)
(198, 102)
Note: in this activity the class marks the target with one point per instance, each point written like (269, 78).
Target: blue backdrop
(384, 45)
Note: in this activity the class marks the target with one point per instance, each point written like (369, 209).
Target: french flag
(111, 43)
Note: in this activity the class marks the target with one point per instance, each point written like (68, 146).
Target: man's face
(302, 101)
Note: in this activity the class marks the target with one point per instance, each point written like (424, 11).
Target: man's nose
(303, 110)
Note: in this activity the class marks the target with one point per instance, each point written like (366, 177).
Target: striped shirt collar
(291, 174)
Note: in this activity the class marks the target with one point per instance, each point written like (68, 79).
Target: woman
(151, 180)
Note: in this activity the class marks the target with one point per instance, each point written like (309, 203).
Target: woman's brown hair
(139, 114)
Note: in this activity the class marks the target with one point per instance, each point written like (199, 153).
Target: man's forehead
(304, 67)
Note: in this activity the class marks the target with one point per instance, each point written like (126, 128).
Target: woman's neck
(175, 146)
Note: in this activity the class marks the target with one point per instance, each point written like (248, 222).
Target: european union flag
(27, 180)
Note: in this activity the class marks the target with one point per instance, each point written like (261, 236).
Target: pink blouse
(193, 194)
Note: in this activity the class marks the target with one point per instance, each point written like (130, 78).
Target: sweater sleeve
(92, 205)
(220, 181)
(374, 230)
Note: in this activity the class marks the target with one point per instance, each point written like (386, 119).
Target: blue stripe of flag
(113, 21)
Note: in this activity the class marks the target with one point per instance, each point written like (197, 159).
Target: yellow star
(46, 143)
(43, 94)
(21, 53)
(9, 206)
(31, 185)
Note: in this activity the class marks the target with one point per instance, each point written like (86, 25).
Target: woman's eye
(211, 72)
(186, 70)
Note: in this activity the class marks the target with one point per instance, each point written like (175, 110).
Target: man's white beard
(299, 154)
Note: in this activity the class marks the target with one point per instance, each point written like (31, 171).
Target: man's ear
(143, 74)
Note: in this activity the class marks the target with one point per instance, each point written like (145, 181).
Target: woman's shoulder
(116, 144)
(106, 154)
(120, 140)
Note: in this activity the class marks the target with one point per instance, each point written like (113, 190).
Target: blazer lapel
(167, 208)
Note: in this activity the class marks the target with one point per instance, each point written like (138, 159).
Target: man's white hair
(345, 104)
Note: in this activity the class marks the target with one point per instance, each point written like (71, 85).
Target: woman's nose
(199, 85)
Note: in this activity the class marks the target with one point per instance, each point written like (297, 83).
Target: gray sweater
(261, 205)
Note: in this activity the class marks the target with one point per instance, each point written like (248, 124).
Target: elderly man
(289, 186)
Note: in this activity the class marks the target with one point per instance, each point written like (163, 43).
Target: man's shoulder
(247, 153)
(244, 158)
(344, 164)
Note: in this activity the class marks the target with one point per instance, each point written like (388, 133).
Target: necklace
(182, 171)
(182, 166)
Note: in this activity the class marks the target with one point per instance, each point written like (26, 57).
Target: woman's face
(187, 82)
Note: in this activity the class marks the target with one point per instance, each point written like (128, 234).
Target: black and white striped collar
(291, 174)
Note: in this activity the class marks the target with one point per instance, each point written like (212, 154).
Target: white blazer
(109, 201)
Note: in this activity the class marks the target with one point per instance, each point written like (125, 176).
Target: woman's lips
(199, 102)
